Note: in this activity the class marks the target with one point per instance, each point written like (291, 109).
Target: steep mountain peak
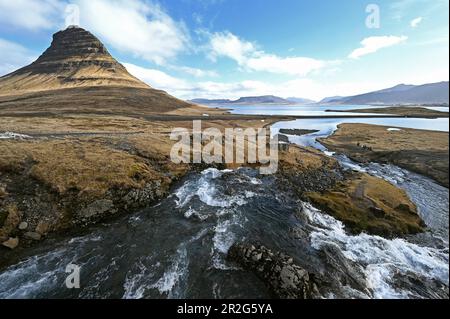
(74, 43)
(75, 58)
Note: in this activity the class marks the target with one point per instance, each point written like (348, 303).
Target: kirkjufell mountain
(78, 73)
(76, 58)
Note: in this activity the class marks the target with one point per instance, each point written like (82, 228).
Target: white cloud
(136, 27)
(290, 65)
(229, 45)
(31, 14)
(305, 88)
(156, 78)
(198, 73)
(373, 44)
(415, 22)
(13, 56)
(248, 57)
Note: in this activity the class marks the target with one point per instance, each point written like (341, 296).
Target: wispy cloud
(13, 56)
(157, 79)
(373, 44)
(137, 27)
(303, 87)
(246, 54)
(198, 73)
(401, 9)
(415, 22)
(31, 14)
(229, 45)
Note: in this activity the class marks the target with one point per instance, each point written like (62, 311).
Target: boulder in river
(277, 270)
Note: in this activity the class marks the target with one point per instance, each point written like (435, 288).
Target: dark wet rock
(313, 180)
(277, 270)
(419, 287)
(283, 138)
(96, 208)
(342, 271)
(298, 132)
(305, 170)
(33, 210)
(142, 197)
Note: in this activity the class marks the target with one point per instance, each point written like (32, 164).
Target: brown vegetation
(368, 204)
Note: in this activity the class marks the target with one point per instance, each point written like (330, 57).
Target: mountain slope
(403, 94)
(77, 73)
(208, 101)
(300, 100)
(265, 99)
(331, 99)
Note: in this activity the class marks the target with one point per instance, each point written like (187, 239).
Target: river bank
(71, 171)
(52, 182)
(421, 151)
(63, 185)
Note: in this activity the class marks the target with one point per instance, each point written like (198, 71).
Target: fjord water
(177, 249)
(305, 110)
(325, 127)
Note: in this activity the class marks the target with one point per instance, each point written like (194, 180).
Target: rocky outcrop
(362, 202)
(278, 271)
(33, 211)
(306, 169)
(419, 287)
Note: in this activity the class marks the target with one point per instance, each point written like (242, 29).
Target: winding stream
(177, 248)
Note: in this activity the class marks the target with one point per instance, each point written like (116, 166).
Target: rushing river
(177, 248)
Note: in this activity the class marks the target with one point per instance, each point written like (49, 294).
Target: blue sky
(233, 48)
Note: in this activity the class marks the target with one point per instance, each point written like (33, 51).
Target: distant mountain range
(265, 99)
(299, 100)
(330, 99)
(433, 93)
